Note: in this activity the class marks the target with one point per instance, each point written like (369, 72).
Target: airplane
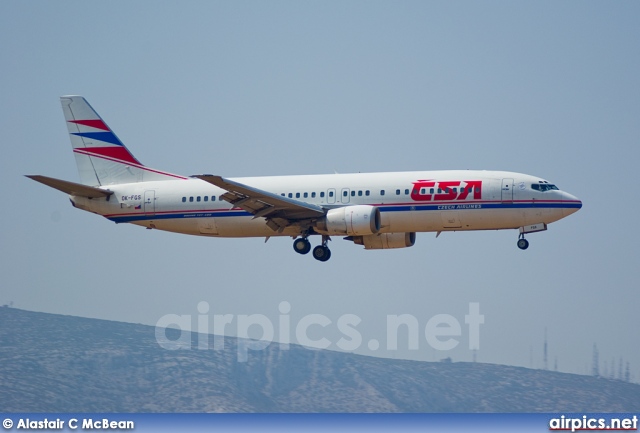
(375, 210)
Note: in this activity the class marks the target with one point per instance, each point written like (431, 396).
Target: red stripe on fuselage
(95, 123)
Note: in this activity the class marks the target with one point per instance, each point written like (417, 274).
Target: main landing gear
(523, 244)
(321, 252)
(301, 246)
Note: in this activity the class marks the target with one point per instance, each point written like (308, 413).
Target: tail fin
(101, 157)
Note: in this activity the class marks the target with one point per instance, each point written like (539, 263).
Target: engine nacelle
(351, 220)
(384, 241)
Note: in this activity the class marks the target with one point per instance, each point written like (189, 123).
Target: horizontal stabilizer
(71, 188)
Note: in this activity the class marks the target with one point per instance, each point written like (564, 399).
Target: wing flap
(71, 188)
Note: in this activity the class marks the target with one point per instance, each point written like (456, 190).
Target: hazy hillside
(52, 363)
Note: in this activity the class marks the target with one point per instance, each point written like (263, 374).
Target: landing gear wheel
(301, 246)
(523, 244)
(321, 253)
(328, 256)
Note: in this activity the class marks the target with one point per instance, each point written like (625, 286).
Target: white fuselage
(428, 201)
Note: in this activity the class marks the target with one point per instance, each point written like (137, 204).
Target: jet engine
(356, 220)
(384, 241)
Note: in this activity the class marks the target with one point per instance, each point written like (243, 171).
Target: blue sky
(275, 88)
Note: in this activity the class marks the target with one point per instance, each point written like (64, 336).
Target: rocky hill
(53, 363)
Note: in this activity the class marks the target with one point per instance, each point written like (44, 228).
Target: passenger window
(184, 199)
(322, 194)
(366, 193)
(290, 195)
(313, 195)
(206, 198)
(297, 195)
(360, 193)
(431, 191)
(213, 198)
(344, 193)
(198, 198)
(439, 191)
(190, 199)
(330, 193)
(306, 195)
(353, 193)
(282, 194)
(406, 192)
(382, 192)
(423, 191)
(397, 192)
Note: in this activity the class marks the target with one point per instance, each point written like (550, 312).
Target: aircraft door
(331, 196)
(507, 190)
(344, 195)
(150, 202)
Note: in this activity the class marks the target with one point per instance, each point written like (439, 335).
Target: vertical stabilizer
(101, 157)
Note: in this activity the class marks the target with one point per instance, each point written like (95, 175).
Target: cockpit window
(544, 187)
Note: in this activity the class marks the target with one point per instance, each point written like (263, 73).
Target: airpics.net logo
(256, 332)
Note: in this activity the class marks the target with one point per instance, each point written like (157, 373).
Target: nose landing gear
(523, 244)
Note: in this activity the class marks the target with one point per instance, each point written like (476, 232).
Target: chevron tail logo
(112, 149)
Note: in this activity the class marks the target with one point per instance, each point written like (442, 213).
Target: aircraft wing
(279, 211)
(71, 188)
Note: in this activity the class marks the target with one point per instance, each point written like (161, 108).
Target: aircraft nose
(572, 204)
